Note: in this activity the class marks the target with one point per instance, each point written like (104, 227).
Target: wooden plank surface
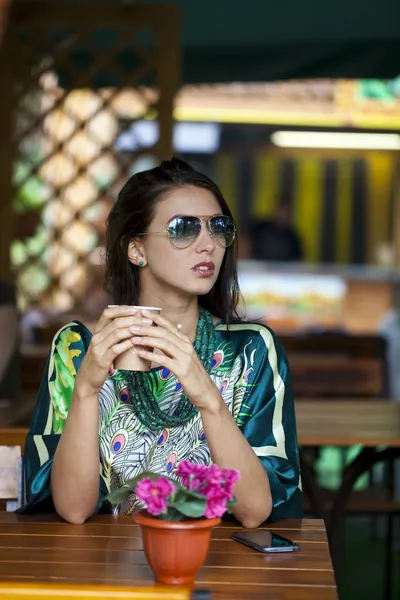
(108, 551)
(370, 423)
(10, 436)
(12, 591)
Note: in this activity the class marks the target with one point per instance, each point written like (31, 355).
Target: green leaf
(190, 495)
(123, 493)
(119, 495)
(190, 504)
(230, 505)
(194, 494)
(131, 483)
(172, 514)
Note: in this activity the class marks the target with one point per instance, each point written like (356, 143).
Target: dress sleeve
(68, 349)
(267, 420)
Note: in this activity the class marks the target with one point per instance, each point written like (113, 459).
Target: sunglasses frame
(203, 219)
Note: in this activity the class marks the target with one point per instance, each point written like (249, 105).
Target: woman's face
(192, 270)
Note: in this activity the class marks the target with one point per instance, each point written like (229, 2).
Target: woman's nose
(205, 241)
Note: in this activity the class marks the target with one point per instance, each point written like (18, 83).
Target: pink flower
(214, 475)
(216, 505)
(215, 484)
(192, 475)
(185, 467)
(230, 477)
(219, 491)
(155, 494)
(213, 491)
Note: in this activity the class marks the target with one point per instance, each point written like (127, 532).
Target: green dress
(251, 372)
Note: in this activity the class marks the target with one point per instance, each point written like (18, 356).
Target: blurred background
(295, 111)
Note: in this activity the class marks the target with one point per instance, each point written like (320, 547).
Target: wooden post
(4, 5)
(167, 78)
(6, 150)
(396, 215)
(396, 236)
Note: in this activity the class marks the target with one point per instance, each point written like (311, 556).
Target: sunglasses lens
(183, 231)
(223, 229)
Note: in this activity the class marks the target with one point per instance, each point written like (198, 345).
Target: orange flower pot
(175, 550)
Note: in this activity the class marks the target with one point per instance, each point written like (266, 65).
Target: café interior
(315, 157)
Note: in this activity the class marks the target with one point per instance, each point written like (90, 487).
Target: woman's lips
(204, 269)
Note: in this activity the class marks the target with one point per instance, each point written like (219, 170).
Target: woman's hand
(112, 336)
(178, 356)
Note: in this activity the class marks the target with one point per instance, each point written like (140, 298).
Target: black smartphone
(265, 541)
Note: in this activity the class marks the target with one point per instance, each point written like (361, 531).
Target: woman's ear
(136, 255)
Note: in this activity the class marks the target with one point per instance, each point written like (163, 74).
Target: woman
(170, 243)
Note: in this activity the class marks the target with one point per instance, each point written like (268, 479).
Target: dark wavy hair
(132, 214)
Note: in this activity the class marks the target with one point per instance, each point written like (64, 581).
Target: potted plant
(176, 526)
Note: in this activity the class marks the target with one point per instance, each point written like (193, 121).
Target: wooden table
(368, 423)
(108, 551)
(372, 424)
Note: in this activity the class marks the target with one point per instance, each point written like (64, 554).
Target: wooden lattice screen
(73, 79)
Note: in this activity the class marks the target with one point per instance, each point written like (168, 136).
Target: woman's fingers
(161, 321)
(118, 323)
(167, 346)
(113, 312)
(170, 332)
(158, 359)
(178, 340)
(118, 349)
(96, 364)
(118, 341)
(115, 337)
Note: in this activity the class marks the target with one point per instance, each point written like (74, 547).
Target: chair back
(337, 365)
(11, 477)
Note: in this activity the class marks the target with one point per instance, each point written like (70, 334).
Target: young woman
(219, 388)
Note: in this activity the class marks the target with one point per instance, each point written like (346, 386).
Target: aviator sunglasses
(184, 230)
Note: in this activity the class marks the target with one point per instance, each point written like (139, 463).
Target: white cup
(130, 360)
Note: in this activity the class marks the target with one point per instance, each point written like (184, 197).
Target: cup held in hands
(130, 360)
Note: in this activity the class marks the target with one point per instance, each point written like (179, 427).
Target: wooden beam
(6, 214)
(4, 6)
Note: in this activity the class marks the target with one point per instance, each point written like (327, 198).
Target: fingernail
(137, 340)
(131, 309)
(135, 328)
(147, 321)
(145, 312)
